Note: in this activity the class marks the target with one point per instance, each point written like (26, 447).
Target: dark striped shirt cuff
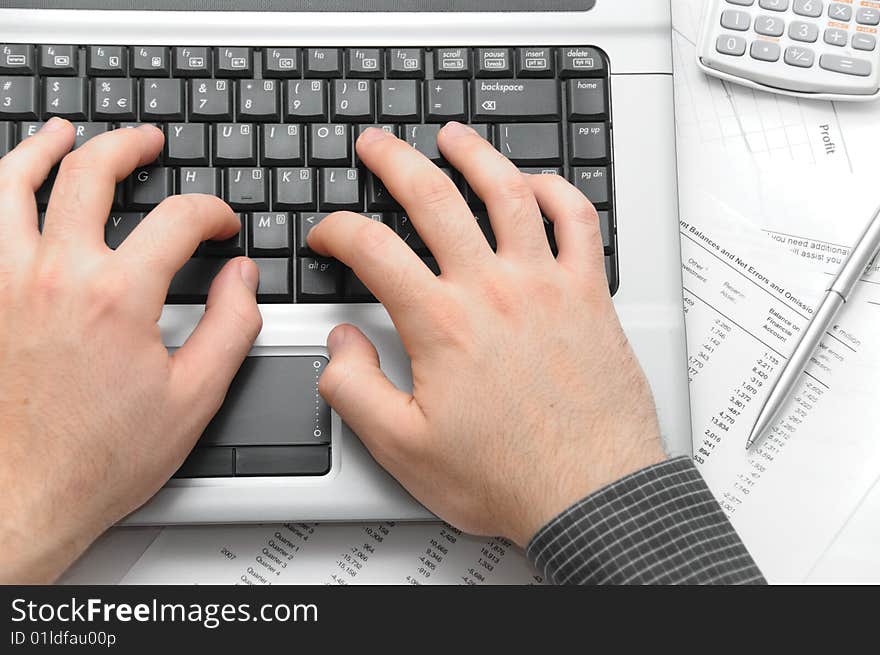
(660, 525)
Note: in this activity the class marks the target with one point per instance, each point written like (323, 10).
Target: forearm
(660, 525)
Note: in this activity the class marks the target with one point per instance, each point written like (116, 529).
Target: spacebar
(282, 460)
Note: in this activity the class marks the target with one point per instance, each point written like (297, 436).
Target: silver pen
(837, 294)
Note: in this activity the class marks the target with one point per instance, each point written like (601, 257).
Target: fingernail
(336, 338)
(54, 124)
(250, 274)
(373, 134)
(456, 129)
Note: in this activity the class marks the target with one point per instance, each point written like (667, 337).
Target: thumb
(213, 353)
(355, 386)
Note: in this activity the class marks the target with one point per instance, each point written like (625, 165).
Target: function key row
(286, 62)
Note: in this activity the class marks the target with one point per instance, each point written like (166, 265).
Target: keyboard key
(845, 65)
(119, 225)
(85, 131)
(107, 60)
(59, 60)
(319, 279)
(199, 180)
(113, 99)
(323, 62)
(424, 139)
(231, 247)
(354, 289)
(445, 100)
(191, 283)
(210, 100)
(589, 143)
(283, 145)
(18, 98)
(162, 100)
(150, 61)
(769, 25)
(339, 188)
(378, 197)
(67, 97)
(840, 12)
(494, 62)
(364, 62)
(270, 234)
(868, 16)
(406, 62)
(452, 62)
(802, 31)
(731, 45)
(275, 284)
(534, 62)
(594, 183)
(836, 37)
(147, 187)
(352, 101)
(407, 231)
(530, 143)
(258, 100)
(800, 57)
(235, 144)
(234, 62)
(736, 20)
(774, 5)
(246, 188)
(304, 224)
(7, 137)
(399, 101)
(17, 59)
(765, 51)
(293, 188)
(28, 128)
(329, 145)
(611, 273)
(811, 8)
(187, 144)
(192, 61)
(282, 460)
(865, 42)
(208, 462)
(281, 62)
(306, 101)
(587, 99)
(514, 100)
(581, 62)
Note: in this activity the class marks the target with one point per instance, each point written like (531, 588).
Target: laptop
(261, 101)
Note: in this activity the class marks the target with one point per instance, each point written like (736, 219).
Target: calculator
(805, 48)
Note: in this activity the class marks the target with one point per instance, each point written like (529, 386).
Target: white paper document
(330, 553)
(747, 301)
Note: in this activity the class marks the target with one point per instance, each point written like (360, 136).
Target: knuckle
(373, 238)
(435, 190)
(513, 190)
(247, 318)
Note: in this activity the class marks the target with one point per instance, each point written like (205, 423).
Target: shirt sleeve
(660, 525)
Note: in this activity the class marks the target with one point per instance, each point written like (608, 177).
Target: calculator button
(836, 37)
(868, 17)
(839, 11)
(800, 57)
(769, 25)
(864, 42)
(845, 65)
(731, 45)
(765, 51)
(774, 5)
(801, 31)
(741, 3)
(736, 20)
(811, 8)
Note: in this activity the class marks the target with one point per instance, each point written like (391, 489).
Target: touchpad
(273, 423)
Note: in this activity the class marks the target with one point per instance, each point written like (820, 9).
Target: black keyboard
(271, 131)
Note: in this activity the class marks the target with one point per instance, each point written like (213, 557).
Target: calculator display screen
(307, 5)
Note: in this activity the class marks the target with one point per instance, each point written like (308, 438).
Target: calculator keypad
(798, 45)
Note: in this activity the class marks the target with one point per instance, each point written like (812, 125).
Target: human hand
(526, 395)
(95, 415)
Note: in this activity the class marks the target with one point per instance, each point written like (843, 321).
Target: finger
(513, 212)
(83, 192)
(168, 237)
(365, 399)
(575, 222)
(430, 198)
(23, 171)
(384, 263)
(204, 366)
